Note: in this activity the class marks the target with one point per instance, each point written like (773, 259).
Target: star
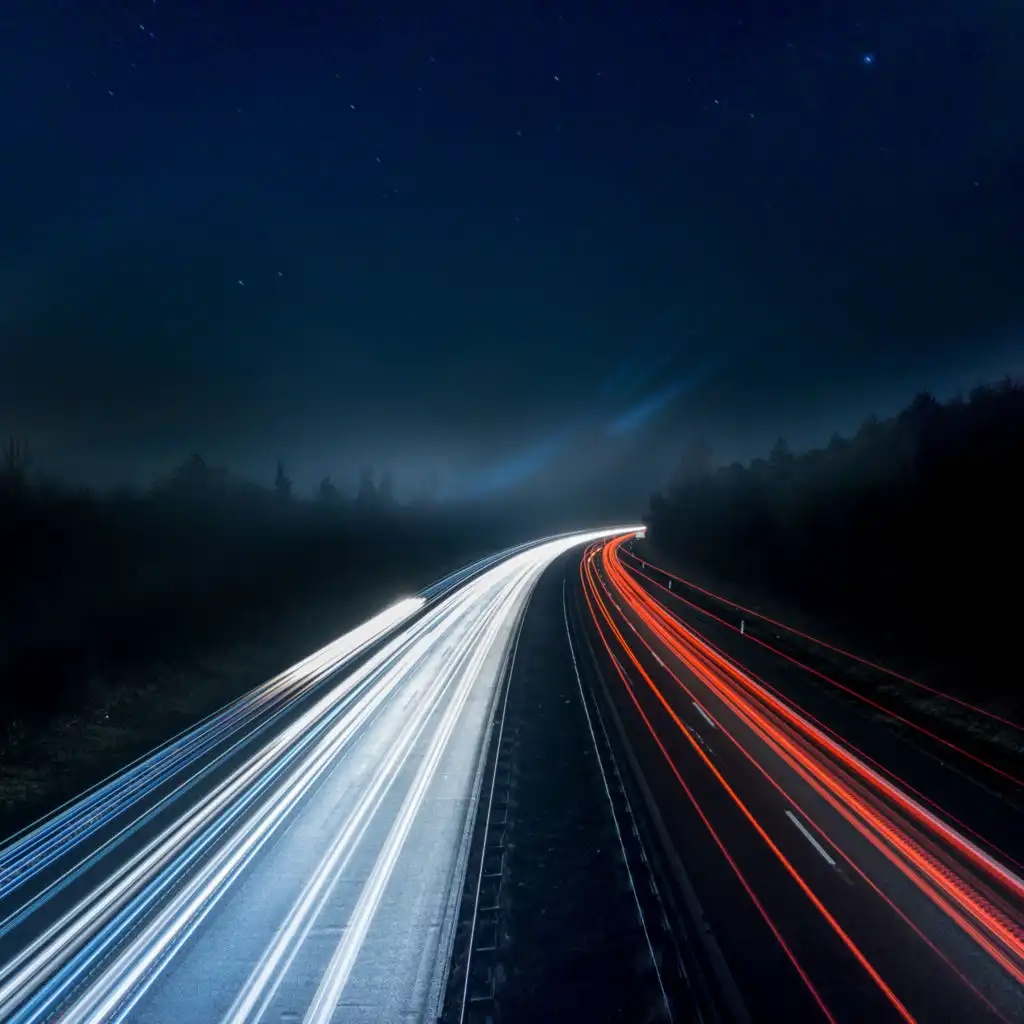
(868, 59)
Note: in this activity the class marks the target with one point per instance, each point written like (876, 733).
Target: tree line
(111, 583)
(910, 530)
(375, 491)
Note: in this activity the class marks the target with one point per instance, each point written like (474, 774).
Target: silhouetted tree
(282, 483)
(327, 492)
(192, 473)
(780, 458)
(891, 526)
(15, 461)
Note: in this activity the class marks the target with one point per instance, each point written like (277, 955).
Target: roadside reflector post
(743, 626)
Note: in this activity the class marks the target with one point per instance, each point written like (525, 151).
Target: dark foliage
(282, 483)
(910, 530)
(96, 585)
(328, 492)
(15, 462)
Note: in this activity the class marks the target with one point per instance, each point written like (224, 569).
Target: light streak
(703, 714)
(594, 601)
(39, 846)
(777, 853)
(980, 895)
(831, 647)
(216, 796)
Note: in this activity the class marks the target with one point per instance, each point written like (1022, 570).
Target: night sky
(533, 244)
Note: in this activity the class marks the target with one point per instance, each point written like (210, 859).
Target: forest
(106, 585)
(907, 533)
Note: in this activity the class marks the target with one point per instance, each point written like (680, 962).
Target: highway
(827, 889)
(306, 854)
(297, 856)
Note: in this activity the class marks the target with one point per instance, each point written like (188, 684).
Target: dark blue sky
(487, 238)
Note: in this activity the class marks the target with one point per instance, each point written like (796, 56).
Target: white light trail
(406, 708)
(41, 845)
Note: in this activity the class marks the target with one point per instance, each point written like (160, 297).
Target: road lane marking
(203, 845)
(707, 718)
(700, 739)
(611, 807)
(807, 835)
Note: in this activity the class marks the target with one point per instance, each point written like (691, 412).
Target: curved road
(303, 854)
(833, 891)
(295, 857)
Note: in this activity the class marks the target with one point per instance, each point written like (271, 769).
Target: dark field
(124, 620)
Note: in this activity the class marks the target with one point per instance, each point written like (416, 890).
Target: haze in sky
(518, 246)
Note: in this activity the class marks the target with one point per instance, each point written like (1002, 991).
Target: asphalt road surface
(297, 856)
(518, 799)
(826, 888)
(560, 918)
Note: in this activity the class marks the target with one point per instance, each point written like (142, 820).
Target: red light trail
(801, 759)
